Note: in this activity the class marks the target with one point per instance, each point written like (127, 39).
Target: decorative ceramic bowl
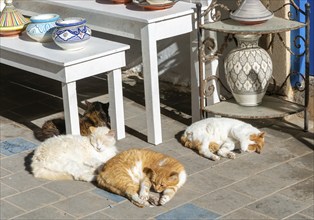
(41, 27)
(251, 12)
(121, 1)
(71, 33)
(12, 22)
(158, 2)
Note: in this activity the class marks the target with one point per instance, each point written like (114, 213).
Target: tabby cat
(95, 115)
(67, 157)
(220, 136)
(134, 172)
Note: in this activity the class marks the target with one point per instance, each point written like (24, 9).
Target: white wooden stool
(48, 60)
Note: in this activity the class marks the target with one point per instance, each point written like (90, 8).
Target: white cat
(220, 135)
(73, 156)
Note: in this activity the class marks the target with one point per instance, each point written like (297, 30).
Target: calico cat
(212, 136)
(134, 172)
(95, 115)
(74, 157)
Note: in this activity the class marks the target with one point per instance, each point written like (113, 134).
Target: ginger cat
(134, 172)
(212, 136)
(67, 157)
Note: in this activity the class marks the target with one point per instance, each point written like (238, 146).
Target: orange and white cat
(67, 157)
(134, 172)
(220, 136)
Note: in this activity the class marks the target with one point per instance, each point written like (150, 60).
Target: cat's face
(259, 142)
(101, 138)
(163, 179)
(98, 113)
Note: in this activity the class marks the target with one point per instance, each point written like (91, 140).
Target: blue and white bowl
(41, 27)
(71, 33)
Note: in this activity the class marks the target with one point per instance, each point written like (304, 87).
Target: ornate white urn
(248, 69)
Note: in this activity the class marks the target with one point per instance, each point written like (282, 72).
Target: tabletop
(131, 11)
(94, 48)
(273, 25)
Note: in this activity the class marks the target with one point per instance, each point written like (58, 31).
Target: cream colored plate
(155, 3)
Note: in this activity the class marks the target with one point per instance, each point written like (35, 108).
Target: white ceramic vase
(248, 69)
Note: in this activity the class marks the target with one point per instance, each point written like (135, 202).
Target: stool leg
(116, 109)
(70, 108)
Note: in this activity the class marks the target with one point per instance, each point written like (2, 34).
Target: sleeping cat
(134, 172)
(67, 157)
(220, 136)
(95, 115)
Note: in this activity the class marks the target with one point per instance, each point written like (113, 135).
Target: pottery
(121, 1)
(152, 7)
(2, 5)
(41, 27)
(251, 12)
(12, 22)
(158, 2)
(248, 70)
(71, 33)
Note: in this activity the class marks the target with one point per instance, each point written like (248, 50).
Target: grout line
(273, 193)
(37, 90)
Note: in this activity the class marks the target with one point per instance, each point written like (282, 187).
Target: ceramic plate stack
(12, 22)
(251, 12)
(155, 5)
(121, 1)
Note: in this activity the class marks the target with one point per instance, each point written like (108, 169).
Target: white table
(67, 67)
(131, 21)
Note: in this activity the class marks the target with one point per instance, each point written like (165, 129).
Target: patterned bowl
(71, 33)
(41, 27)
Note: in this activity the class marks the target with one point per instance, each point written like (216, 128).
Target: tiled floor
(276, 184)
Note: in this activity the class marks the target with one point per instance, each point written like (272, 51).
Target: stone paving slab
(277, 206)
(276, 184)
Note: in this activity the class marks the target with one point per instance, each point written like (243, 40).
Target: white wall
(173, 56)
(174, 53)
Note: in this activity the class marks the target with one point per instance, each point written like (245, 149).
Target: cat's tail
(50, 129)
(50, 175)
(185, 141)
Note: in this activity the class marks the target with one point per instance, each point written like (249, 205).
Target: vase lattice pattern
(248, 70)
(252, 70)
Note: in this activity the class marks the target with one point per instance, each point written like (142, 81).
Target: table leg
(151, 84)
(71, 115)
(116, 109)
(195, 97)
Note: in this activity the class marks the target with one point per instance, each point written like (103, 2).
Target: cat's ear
(92, 129)
(106, 105)
(87, 103)
(174, 176)
(111, 133)
(262, 134)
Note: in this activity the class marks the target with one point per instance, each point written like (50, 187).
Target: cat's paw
(231, 155)
(215, 157)
(139, 201)
(144, 195)
(164, 199)
(154, 199)
(142, 203)
(87, 178)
